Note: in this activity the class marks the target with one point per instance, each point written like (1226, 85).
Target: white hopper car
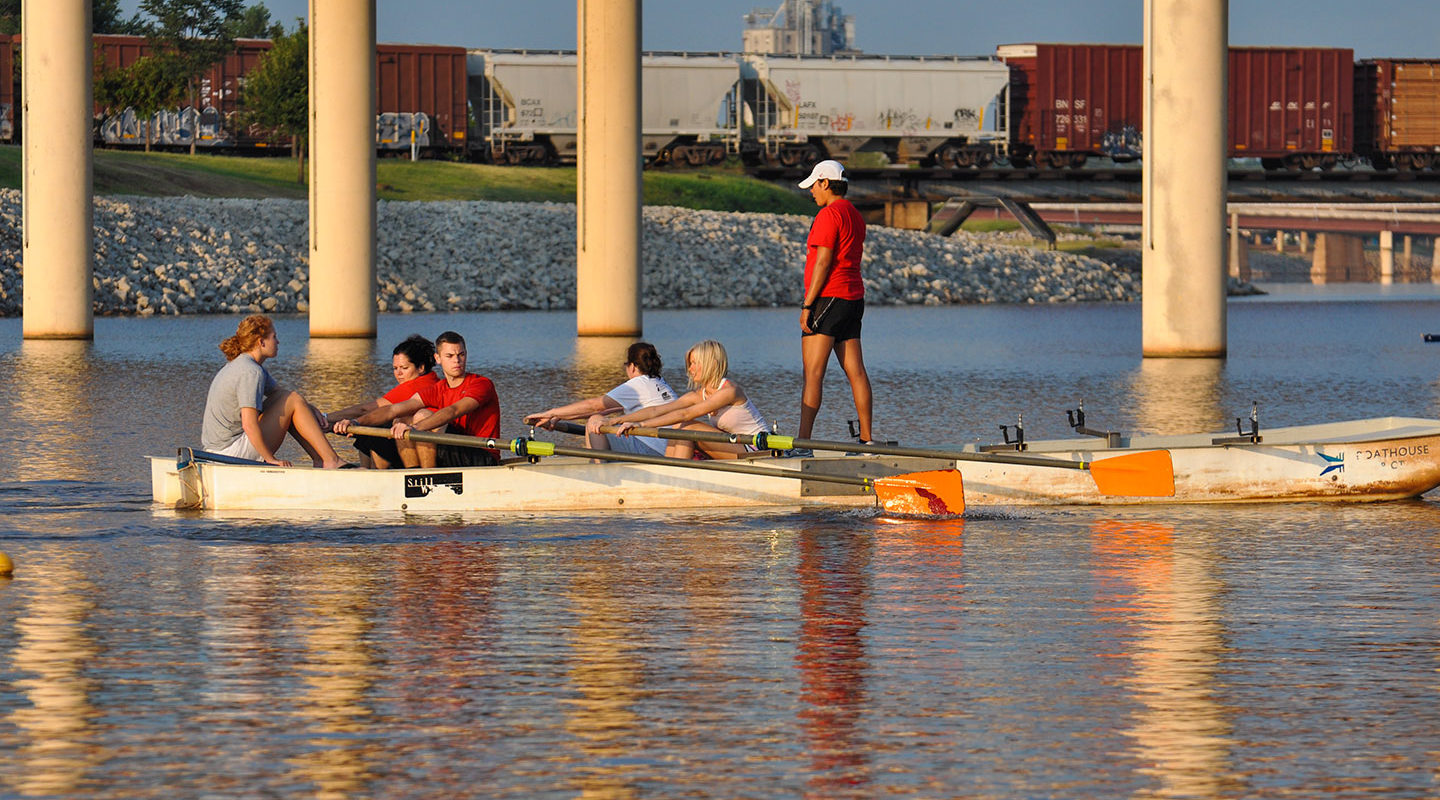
(915, 109)
(525, 105)
(697, 108)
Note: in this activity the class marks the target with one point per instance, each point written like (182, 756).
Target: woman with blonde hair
(247, 414)
(714, 403)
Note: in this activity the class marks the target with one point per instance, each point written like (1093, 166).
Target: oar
(933, 492)
(1147, 474)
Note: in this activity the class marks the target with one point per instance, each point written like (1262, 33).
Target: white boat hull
(556, 483)
(1365, 460)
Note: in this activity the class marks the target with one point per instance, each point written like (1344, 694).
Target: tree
(105, 17)
(254, 23)
(147, 86)
(276, 96)
(187, 38)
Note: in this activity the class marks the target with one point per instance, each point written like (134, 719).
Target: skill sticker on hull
(423, 485)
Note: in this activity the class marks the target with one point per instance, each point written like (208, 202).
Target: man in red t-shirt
(834, 300)
(460, 402)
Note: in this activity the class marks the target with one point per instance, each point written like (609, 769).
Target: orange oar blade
(1148, 474)
(934, 493)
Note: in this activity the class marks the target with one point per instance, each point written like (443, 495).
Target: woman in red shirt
(413, 363)
(834, 300)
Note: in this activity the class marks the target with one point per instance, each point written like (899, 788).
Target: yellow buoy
(6, 566)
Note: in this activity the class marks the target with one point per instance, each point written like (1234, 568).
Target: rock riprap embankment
(195, 256)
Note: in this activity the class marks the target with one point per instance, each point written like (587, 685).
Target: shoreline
(168, 256)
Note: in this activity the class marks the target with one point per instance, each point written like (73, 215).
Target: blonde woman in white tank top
(714, 403)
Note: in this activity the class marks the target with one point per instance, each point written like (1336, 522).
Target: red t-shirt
(839, 227)
(407, 390)
(483, 421)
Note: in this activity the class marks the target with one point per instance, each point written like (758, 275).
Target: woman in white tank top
(714, 403)
(644, 388)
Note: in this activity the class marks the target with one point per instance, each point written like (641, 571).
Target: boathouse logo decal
(1337, 464)
(423, 485)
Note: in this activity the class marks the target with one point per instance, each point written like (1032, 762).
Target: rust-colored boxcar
(1397, 110)
(1289, 107)
(9, 92)
(1072, 101)
(212, 123)
(421, 89)
(1292, 106)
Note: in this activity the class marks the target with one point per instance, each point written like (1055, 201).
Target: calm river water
(1220, 652)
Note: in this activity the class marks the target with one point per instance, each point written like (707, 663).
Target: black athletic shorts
(837, 318)
(451, 456)
(376, 446)
(445, 455)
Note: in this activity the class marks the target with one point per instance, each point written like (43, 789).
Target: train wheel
(1272, 164)
(1055, 160)
(1077, 160)
(696, 156)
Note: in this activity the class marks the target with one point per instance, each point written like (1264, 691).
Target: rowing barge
(1387, 458)
(1363, 460)
(553, 483)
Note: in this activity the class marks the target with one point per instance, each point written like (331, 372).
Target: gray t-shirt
(242, 383)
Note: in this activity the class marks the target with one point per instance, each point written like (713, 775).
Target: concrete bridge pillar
(1280, 241)
(1303, 240)
(1239, 254)
(1338, 258)
(1408, 259)
(1183, 267)
(342, 169)
(1387, 257)
(58, 215)
(608, 183)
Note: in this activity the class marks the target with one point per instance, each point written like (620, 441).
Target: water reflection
(339, 671)
(1179, 395)
(1169, 597)
(599, 364)
(833, 574)
(607, 670)
(444, 630)
(341, 372)
(53, 649)
(53, 381)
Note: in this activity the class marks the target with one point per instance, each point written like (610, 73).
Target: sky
(1380, 28)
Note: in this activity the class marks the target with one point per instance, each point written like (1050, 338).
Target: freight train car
(916, 110)
(1289, 107)
(1397, 107)
(526, 101)
(211, 122)
(9, 90)
(420, 99)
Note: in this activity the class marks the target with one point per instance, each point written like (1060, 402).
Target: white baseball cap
(825, 170)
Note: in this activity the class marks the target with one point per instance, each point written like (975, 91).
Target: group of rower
(247, 415)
